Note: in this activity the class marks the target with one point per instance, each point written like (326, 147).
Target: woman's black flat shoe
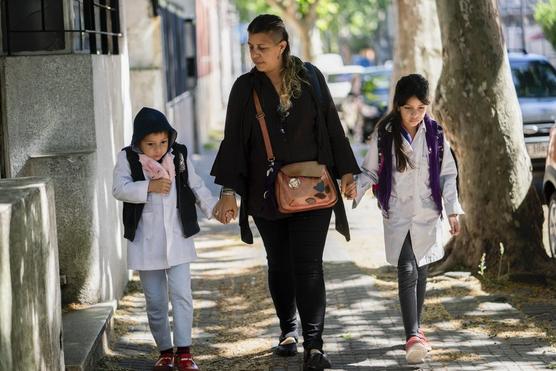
(287, 347)
(315, 360)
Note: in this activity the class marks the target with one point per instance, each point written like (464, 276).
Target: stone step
(86, 334)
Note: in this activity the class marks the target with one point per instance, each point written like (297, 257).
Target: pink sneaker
(415, 350)
(425, 340)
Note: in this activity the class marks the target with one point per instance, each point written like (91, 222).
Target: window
(534, 79)
(179, 53)
(33, 26)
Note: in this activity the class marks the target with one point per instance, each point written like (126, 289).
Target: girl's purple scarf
(385, 166)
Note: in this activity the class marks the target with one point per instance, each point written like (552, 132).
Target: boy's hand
(160, 186)
(348, 186)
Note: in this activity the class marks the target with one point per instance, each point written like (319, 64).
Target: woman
(303, 125)
(412, 167)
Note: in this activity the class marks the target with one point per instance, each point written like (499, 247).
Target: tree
(545, 15)
(418, 48)
(477, 104)
(353, 17)
(302, 15)
(248, 9)
(350, 22)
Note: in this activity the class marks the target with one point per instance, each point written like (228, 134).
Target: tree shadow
(235, 327)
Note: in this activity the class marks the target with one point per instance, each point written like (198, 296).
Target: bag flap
(306, 168)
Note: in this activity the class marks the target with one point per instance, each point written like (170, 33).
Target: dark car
(374, 96)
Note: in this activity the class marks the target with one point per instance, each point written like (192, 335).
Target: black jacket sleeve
(230, 167)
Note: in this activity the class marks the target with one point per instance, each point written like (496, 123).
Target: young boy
(159, 188)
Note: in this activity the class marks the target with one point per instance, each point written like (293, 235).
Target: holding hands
(348, 186)
(225, 209)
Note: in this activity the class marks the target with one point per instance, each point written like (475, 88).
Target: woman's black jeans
(412, 285)
(294, 248)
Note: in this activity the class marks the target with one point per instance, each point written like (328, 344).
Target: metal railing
(99, 25)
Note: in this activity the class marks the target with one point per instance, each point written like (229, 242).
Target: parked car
(328, 61)
(339, 81)
(369, 100)
(549, 190)
(535, 84)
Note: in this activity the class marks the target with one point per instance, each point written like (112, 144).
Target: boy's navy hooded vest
(149, 121)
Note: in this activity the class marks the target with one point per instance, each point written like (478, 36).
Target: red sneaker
(415, 350)
(425, 340)
(165, 362)
(184, 362)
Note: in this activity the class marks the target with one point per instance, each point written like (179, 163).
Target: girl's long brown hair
(413, 85)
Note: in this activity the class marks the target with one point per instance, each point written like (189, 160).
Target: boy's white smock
(159, 241)
(411, 207)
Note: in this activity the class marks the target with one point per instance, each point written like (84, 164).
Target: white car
(328, 61)
(339, 81)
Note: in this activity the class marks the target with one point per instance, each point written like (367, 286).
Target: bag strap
(264, 129)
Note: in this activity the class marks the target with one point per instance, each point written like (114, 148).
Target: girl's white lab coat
(411, 207)
(159, 241)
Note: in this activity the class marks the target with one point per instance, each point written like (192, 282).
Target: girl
(159, 187)
(411, 167)
(303, 125)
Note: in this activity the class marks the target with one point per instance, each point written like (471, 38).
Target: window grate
(38, 26)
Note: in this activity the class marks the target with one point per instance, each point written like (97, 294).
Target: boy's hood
(148, 121)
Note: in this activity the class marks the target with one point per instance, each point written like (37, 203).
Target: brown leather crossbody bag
(300, 186)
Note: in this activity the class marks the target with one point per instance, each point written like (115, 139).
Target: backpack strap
(440, 144)
(380, 147)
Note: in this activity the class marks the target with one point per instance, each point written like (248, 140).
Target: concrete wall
(66, 116)
(30, 310)
(181, 115)
(112, 108)
(218, 48)
(48, 106)
(213, 88)
(143, 32)
(73, 176)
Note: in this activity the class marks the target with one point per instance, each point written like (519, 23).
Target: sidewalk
(235, 325)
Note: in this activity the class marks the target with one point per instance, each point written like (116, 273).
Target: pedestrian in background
(303, 125)
(159, 187)
(410, 166)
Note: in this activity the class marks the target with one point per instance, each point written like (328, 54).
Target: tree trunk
(305, 38)
(303, 24)
(477, 104)
(418, 48)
